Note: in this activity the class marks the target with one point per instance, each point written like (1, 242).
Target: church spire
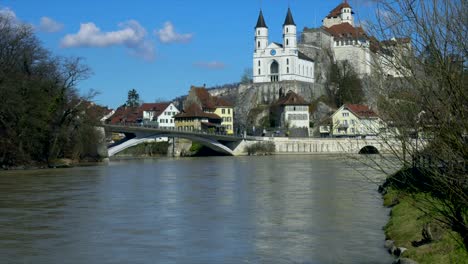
(289, 19)
(261, 21)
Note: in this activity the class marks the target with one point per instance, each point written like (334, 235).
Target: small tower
(347, 13)
(261, 33)
(289, 32)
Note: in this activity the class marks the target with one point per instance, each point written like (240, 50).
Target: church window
(258, 32)
(287, 29)
(287, 69)
(259, 71)
(287, 42)
(258, 44)
(287, 61)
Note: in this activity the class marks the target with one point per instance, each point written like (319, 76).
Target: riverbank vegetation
(43, 118)
(426, 111)
(261, 148)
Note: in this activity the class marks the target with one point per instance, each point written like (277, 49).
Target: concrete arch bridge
(236, 145)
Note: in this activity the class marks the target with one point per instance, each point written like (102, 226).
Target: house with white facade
(291, 111)
(275, 62)
(354, 120)
(160, 114)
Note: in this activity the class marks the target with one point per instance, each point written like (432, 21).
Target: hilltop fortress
(302, 65)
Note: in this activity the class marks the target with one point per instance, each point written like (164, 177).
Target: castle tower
(261, 33)
(289, 32)
(347, 13)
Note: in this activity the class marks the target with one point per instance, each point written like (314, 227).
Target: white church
(274, 62)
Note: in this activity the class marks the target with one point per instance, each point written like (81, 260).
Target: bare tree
(425, 103)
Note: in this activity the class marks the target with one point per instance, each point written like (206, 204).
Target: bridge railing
(177, 129)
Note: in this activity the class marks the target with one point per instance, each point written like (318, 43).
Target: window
(229, 111)
(287, 69)
(258, 63)
(223, 111)
(287, 42)
(345, 114)
(287, 61)
(258, 32)
(259, 71)
(258, 44)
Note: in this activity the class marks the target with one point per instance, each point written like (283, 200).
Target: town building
(350, 43)
(354, 120)
(291, 112)
(213, 105)
(159, 114)
(275, 62)
(193, 118)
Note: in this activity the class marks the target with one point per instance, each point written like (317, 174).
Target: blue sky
(160, 48)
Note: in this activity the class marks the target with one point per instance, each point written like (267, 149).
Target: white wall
(166, 119)
(296, 116)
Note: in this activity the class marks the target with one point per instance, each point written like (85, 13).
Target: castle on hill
(293, 61)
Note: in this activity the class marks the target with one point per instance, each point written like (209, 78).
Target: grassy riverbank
(408, 218)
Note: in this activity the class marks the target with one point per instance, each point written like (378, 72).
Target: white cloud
(49, 25)
(213, 65)
(168, 35)
(131, 35)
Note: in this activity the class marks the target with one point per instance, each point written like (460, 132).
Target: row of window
(166, 121)
(297, 108)
(170, 113)
(227, 119)
(223, 111)
(298, 117)
(228, 127)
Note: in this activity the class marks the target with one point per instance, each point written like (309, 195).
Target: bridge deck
(169, 132)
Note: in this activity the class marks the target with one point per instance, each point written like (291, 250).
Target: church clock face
(273, 52)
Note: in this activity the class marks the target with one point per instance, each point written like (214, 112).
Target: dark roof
(279, 44)
(291, 98)
(261, 21)
(193, 111)
(337, 10)
(289, 19)
(158, 108)
(302, 56)
(360, 110)
(346, 31)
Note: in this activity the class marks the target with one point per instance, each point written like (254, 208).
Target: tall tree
(427, 107)
(133, 98)
(41, 111)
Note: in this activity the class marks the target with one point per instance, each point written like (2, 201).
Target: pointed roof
(289, 19)
(361, 111)
(291, 98)
(337, 10)
(261, 21)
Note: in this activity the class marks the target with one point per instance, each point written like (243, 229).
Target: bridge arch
(369, 149)
(138, 139)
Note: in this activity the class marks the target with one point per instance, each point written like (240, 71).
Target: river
(276, 209)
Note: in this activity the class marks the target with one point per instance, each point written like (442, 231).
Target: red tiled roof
(194, 110)
(208, 101)
(291, 98)
(125, 114)
(158, 108)
(337, 10)
(346, 30)
(360, 110)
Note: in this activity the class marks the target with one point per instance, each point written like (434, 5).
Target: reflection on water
(280, 209)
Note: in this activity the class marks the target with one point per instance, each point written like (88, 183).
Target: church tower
(289, 32)
(261, 33)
